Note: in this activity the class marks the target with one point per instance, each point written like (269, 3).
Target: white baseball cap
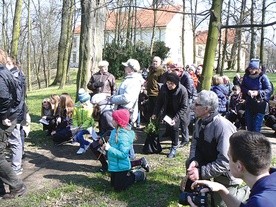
(133, 64)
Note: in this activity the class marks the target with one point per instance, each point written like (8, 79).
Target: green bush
(116, 54)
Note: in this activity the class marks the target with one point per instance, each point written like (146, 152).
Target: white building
(168, 29)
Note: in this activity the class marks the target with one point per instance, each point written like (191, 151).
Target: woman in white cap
(129, 90)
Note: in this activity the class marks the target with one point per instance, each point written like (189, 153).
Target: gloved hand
(98, 84)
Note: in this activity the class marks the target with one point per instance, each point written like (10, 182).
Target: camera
(200, 199)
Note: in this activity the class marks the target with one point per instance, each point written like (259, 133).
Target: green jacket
(82, 116)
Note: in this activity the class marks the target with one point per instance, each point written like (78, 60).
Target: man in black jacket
(172, 101)
(8, 115)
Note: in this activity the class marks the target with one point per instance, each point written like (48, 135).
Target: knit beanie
(121, 116)
(253, 65)
(83, 95)
(173, 78)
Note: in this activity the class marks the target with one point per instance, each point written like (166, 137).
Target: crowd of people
(104, 118)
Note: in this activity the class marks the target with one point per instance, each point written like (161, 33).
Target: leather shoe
(16, 193)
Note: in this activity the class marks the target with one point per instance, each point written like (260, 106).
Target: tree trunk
(69, 37)
(62, 46)
(211, 46)
(16, 28)
(29, 78)
(262, 33)
(4, 26)
(91, 39)
(253, 44)
(183, 34)
(154, 5)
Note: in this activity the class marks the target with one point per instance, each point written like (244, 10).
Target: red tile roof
(201, 36)
(144, 18)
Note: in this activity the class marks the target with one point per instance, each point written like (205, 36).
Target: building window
(74, 57)
(75, 44)
(199, 51)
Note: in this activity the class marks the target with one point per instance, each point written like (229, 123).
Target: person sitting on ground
(236, 110)
(47, 113)
(63, 131)
(82, 119)
(254, 169)
(118, 146)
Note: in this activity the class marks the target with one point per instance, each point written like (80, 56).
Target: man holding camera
(254, 169)
(208, 157)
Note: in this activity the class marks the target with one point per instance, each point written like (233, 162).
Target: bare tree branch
(247, 25)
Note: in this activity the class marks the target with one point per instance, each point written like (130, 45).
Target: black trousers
(122, 180)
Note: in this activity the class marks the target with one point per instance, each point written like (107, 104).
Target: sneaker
(145, 164)
(87, 146)
(16, 193)
(172, 153)
(81, 151)
(18, 171)
(183, 144)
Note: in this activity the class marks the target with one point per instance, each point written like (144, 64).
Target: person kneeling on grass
(118, 147)
(249, 159)
(82, 120)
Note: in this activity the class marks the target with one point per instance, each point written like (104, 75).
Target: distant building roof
(201, 36)
(144, 18)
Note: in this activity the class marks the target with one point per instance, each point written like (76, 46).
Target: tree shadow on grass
(148, 193)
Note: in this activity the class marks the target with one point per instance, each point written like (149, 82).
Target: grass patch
(93, 189)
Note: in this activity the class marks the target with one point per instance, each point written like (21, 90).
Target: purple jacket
(261, 83)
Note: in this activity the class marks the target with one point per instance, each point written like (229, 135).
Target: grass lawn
(161, 188)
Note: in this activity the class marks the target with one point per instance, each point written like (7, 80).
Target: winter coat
(210, 144)
(121, 141)
(179, 105)
(154, 78)
(9, 99)
(82, 115)
(128, 93)
(222, 94)
(261, 83)
(107, 80)
(187, 81)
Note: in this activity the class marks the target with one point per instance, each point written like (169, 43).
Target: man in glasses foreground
(208, 157)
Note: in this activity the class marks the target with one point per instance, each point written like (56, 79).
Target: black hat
(173, 78)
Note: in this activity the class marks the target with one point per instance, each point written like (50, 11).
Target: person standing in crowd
(129, 90)
(102, 81)
(257, 90)
(8, 114)
(118, 147)
(254, 169)
(172, 101)
(154, 79)
(208, 152)
(187, 82)
(15, 140)
(222, 93)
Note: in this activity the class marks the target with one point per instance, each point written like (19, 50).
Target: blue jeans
(254, 122)
(80, 139)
